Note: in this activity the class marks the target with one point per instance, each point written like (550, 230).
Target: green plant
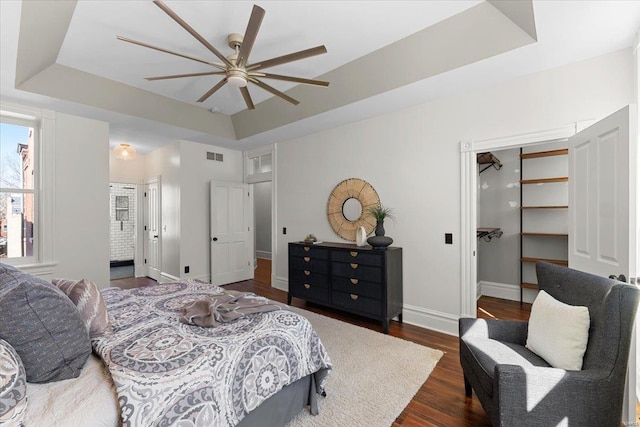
(381, 212)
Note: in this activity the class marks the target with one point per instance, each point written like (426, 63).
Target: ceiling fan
(235, 68)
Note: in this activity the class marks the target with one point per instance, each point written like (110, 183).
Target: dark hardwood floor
(441, 400)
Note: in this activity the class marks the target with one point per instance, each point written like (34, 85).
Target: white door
(602, 206)
(152, 259)
(601, 195)
(231, 237)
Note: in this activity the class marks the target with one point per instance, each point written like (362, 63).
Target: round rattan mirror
(347, 207)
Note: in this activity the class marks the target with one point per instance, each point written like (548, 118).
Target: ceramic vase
(379, 241)
(361, 236)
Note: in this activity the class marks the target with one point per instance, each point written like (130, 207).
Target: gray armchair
(518, 388)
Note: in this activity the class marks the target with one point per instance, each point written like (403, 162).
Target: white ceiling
(567, 31)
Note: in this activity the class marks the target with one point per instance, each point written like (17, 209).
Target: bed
(150, 369)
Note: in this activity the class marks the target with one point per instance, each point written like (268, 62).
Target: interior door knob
(155, 237)
(215, 239)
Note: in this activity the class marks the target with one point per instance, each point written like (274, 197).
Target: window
(18, 188)
(259, 165)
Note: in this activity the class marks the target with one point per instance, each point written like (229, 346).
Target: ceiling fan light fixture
(124, 152)
(237, 77)
(236, 69)
(237, 81)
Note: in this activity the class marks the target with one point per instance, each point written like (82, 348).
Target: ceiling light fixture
(237, 77)
(124, 152)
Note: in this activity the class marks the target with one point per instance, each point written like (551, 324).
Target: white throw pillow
(558, 332)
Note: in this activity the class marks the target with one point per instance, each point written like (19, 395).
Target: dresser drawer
(357, 303)
(309, 263)
(310, 277)
(309, 250)
(357, 286)
(357, 271)
(360, 257)
(309, 291)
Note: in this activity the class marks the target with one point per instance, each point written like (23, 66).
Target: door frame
(469, 199)
(138, 249)
(264, 177)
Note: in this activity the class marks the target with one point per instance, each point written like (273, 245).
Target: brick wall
(122, 221)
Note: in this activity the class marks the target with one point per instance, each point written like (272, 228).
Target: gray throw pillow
(13, 387)
(89, 302)
(43, 326)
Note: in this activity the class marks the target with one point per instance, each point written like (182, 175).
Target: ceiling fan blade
(179, 76)
(191, 31)
(247, 98)
(296, 56)
(214, 64)
(273, 90)
(292, 79)
(250, 35)
(213, 90)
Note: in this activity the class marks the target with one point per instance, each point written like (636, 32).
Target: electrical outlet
(186, 269)
(448, 238)
(284, 230)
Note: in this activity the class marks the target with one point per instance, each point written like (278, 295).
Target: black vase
(380, 241)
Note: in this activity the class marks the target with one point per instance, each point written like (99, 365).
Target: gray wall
(262, 207)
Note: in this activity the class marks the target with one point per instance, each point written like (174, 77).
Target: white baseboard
(418, 316)
(166, 278)
(506, 291)
(205, 278)
(430, 319)
(281, 283)
(263, 254)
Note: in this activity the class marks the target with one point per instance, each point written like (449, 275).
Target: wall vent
(218, 157)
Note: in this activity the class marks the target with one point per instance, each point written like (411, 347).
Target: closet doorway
(262, 194)
(122, 214)
(259, 173)
(522, 217)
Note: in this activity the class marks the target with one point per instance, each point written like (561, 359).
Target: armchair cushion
(486, 353)
(558, 332)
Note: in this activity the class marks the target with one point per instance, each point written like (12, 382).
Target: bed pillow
(13, 386)
(558, 332)
(43, 326)
(89, 302)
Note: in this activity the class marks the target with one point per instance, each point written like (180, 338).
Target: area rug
(374, 375)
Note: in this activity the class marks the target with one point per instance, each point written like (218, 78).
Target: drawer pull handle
(307, 286)
(354, 253)
(306, 259)
(306, 248)
(354, 296)
(353, 265)
(354, 281)
(307, 272)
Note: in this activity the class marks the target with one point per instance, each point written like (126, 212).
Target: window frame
(43, 123)
(35, 126)
(249, 156)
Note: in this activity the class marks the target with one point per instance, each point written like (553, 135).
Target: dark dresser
(359, 280)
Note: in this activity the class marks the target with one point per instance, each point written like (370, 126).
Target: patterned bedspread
(168, 373)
